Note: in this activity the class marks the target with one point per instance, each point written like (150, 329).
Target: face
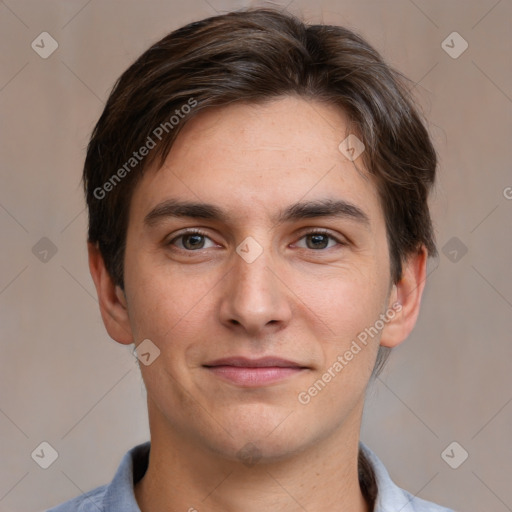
(255, 257)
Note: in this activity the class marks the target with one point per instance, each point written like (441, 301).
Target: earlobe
(112, 300)
(407, 294)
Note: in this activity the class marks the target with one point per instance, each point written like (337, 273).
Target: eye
(320, 239)
(191, 241)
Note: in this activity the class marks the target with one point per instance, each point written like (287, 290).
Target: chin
(251, 451)
(255, 440)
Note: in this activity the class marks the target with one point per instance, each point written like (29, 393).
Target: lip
(248, 372)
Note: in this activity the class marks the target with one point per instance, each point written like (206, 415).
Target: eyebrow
(324, 208)
(175, 208)
(298, 211)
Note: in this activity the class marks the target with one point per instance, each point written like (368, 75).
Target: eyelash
(318, 231)
(187, 233)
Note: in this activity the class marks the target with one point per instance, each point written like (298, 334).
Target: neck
(183, 476)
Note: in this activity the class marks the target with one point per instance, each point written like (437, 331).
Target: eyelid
(341, 240)
(188, 231)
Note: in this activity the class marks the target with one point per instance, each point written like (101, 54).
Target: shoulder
(118, 496)
(392, 497)
(91, 501)
(419, 505)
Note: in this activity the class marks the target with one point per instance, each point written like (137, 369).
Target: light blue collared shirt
(118, 496)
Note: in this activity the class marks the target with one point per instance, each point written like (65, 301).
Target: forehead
(256, 159)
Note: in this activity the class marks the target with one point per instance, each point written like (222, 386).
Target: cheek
(154, 306)
(346, 301)
(351, 309)
(166, 305)
(159, 312)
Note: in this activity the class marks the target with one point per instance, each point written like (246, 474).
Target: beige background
(65, 382)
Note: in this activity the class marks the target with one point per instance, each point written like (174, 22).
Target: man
(259, 229)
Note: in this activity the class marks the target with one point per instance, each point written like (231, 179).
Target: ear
(405, 300)
(113, 306)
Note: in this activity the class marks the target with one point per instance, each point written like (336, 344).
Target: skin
(295, 301)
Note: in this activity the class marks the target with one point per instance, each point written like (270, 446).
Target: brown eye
(317, 241)
(191, 241)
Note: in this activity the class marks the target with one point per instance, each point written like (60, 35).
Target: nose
(255, 298)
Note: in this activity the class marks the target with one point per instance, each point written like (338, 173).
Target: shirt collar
(390, 498)
(120, 496)
(120, 493)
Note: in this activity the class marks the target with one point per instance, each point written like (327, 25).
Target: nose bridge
(251, 273)
(251, 269)
(254, 297)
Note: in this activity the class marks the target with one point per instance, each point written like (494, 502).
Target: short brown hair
(253, 56)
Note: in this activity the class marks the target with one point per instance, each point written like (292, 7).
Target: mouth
(254, 372)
